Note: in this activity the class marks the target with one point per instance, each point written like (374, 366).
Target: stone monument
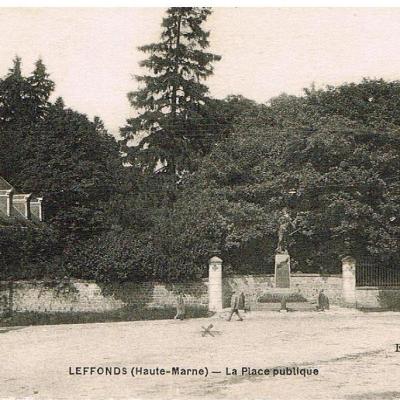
(282, 271)
(282, 258)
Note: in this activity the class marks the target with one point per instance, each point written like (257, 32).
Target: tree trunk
(172, 167)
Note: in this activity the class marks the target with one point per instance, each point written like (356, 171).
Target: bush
(277, 297)
(28, 251)
(126, 256)
(115, 256)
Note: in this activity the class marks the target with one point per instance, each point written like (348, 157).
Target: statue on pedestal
(285, 222)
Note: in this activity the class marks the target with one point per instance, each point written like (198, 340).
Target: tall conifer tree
(167, 131)
(23, 102)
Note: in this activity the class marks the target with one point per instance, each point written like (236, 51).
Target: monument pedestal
(282, 271)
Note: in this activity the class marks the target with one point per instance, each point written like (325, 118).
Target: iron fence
(377, 273)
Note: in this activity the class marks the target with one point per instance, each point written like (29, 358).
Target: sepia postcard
(199, 202)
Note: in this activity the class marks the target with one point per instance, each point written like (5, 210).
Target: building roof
(19, 211)
(4, 185)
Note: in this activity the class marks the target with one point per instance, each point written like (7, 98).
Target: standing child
(323, 301)
(180, 307)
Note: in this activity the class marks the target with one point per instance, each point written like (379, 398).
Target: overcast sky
(92, 53)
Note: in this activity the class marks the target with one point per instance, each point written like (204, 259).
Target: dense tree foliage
(335, 169)
(25, 250)
(346, 196)
(330, 157)
(57, 153)
(75, 167)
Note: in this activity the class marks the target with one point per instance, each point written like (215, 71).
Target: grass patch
(123, 314)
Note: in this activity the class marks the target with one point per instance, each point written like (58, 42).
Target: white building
(16, 205)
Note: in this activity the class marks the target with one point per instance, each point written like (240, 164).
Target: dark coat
(323, 301)
(242, 301)
(235, 302)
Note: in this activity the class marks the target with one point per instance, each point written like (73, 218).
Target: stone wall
(83, 296)
(308, 285)
(379, 298)
(367, 298)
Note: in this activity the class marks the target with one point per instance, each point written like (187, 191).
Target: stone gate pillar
(215, 284)
(349, 280)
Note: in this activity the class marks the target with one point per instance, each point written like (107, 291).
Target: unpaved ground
(354, 352)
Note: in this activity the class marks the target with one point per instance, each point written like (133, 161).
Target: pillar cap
(349, 259)
(215, 259)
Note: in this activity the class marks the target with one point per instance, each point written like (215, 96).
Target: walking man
(235, 306)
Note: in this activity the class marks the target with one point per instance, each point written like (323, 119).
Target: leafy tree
(59, 154)
(220, 118)
(372, 102)
(170, 125)
(338, 177)
(75, 165)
